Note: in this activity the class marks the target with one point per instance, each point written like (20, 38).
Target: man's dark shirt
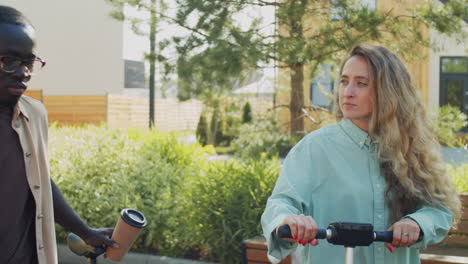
(17, 206)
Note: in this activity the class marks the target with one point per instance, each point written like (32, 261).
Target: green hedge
(101, 171)
(262, 137)
(227, 203)
(193, 206)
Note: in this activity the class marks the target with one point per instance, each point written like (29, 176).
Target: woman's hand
(405, 233)
(303, 229)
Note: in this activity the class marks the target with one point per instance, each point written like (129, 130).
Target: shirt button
(41, 247)
(378, 185)
(17, 124)
(36, 187)
(27, 154)
(379, 216)
(379, 249)
(40, 216)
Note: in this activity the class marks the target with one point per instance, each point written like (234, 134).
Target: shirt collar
(20, 108)
(357, 135)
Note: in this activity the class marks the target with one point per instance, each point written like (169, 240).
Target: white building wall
(448, 47)
(81, 43)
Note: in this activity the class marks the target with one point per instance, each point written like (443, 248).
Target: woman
(380, 164)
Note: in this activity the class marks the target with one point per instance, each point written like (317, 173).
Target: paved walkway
(65, 256)
(455, 156)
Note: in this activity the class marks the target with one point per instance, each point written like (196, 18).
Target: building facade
(440, 74)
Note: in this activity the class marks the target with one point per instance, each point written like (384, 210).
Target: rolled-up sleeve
(435, 223)
(285, 200)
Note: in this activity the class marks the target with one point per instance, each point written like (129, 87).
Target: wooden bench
(454, 248)
(255, 251)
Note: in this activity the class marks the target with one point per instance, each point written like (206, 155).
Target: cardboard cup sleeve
(126, 231)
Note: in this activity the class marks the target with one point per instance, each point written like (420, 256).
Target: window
(454, 82)
(134, 74)
(454, 65)
(321, 88)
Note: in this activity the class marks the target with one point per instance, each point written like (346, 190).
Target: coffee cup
(126, 231)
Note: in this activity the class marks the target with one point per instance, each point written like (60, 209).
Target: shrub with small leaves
(449, 122)
(459, 175)
(261, 136)
(193, 206)
(101, 171)
(226, 205)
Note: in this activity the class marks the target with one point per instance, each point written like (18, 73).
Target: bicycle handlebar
(346, 234)
(80, 248)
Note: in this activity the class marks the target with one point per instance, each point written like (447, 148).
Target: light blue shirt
(333, 175)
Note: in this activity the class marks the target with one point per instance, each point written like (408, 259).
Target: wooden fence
(124, 111)
(36, 94)
(120, 111)
(172, 115)
(76, 110)
(73, 110)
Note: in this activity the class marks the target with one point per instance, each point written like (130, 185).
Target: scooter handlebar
(284, 231)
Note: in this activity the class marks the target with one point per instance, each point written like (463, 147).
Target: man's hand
(405, 233)
(99, 237)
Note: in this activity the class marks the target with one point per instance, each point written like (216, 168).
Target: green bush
(450, 121)
(459, 176)
(216, 127)
(261, 136)
(193, 206)
(227, 203)
(100, 171)
(232, 118)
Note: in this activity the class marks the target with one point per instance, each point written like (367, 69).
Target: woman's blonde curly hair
(408, 151)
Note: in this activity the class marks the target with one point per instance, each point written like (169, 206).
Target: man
(29, 199)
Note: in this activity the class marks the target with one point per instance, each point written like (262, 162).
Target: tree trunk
(152, 62)
(297, 100)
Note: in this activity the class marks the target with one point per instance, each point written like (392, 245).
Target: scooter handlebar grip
(284, 231)
(384, 236)
(321, 234)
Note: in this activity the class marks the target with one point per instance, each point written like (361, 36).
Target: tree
(246, 113)
(216, 127)
(202, 130)
(153, 7)
(218, 48)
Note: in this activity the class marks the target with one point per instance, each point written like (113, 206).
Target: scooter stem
(349, 255)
